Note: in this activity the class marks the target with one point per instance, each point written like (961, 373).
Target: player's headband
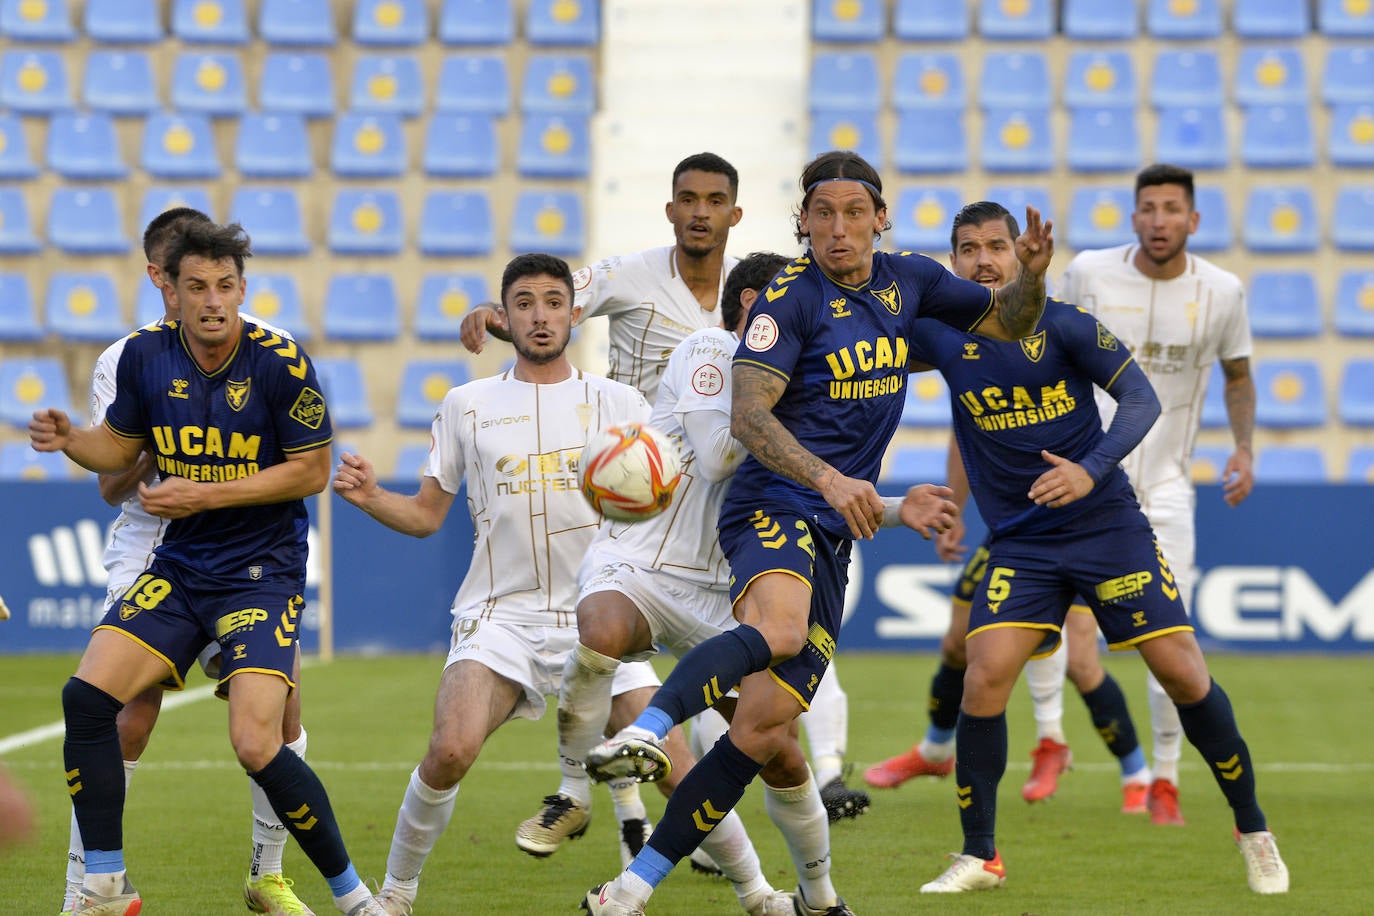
(813, 185)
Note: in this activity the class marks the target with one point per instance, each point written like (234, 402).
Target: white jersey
(517, 445)
(683, 540)
(651, 311)
(1176, 330)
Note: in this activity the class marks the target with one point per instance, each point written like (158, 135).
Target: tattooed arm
(1021, 302)
(1238, 477)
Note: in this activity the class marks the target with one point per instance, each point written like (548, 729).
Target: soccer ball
(629, 472)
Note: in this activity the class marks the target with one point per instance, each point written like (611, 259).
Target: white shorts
(533, 658)
(680, 614)
(1171, 509)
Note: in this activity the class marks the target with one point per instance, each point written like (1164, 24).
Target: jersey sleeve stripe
(123, 434)
(307, 447)
(992, 302)
(741, 361)
(1116, 375)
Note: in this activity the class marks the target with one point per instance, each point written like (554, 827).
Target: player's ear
(736, 214)
(1193, 218)
(576, 314)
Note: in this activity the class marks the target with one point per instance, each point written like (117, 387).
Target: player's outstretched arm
(115, 488)
(418, 516)
(95, 448)
(1239, 475)
(483, 319)
(302, 474)
(929, 509)
(1022, 301)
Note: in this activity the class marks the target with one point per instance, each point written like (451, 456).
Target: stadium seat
(477, 22)
(1280, 219)
(917, 464)
(411, 461)
(423, 386)
(296, 22)
(148, 305)
(1271, 18)
(563, 22)
(1098, 78)
(389, 84)
(16, 229)
(209, 83)
(1103, 140)
(1183, 19)
(216, 22)
(456, 223)
(18, 310)
(1277, 137)
(1348, 75)
(276, 299)
(929, 144)
(179, 146)
(1185, 78)
(368, 146)
(443, 301)
(1100, 20)
(1284, 303)
(549, 221)
(297, 83)
(927, 400)
(1271, 76)
(164, 197)
(931, 20)
(1214, 414)
(30, 384)
(18, 461)
(473, 83)
(366, 222)
(921, 218)
(558, 83)
(554, 146)
(1354, 311)
(461, 146)
(1356, 400)
(1194, 138)
(34, 82)
(1017, 140)
(837, 130)
(1345, 19)
(1100, 218)
(86, 220)
(1015, 79)
(14, 149)
(344, 386)
(1350, 136)
(131, 21)
(361, 306)
(847, 20)
(120, 83)
(1289, 393)
(1291, 464)
(1359, 467)
(84, 307)
(84, 146)
(273, 146)
(929, 82)
(1214, 226)
(1209, 461)
(1019, 196)
(390, 22)
(273, 218)
(845, 82)
(1025, 20)
(1352, 223)
(24, 20)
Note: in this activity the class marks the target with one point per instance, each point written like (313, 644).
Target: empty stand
(929, 144)
(387, 83)
(34, 82)
(477, 22)
(1100, 217)
(1352, 221)
(163, 197)
(1019, 196)
(366, 222)
(1189, 77)
(1289, 393)
(477, 83)
(1214, 223)
(15, 161)
(931, 20)
(554, 146)
(18, 310)
(1348, 75)
(423, 386)
(24, 20)
(1015, 79)
(84, 146)
(928, 81)
(390, 22)
(1192, 137)
(18, 461)
(84, 307)
(840, 130)
(848, 20)
(1302, 464)
(1194, 19)
(461, 146)
(411, 462)
(558, 83)
(917, 464)
(179, 146)
(1103, 140)
(296, 22)
(443, 301)
(1271, 18)
(1025, 20)
(1100, 78)
(563, 22)
(1355, 402)
(1284, 303)
(1354, 311)
(132, 21)
(31, 384)
(273, 218)
(362, 306)
(1017, 140)
(212, 84)
(927, 403)
(219, 22)
(148, 305)
(1345, 19)
(86, 220)
(1209, 463)
(345, 391)
(921, 218)
(1277, 137)
(1214, 403)
(1350, 136)
(1100, 20)
(368, 146)
(1271, 76)
(16, 227)
(549, 221)
(298, 83)
(273, 146)
(1359, 467)
(456, 223)
(845, 82)
(1280, 219)
(120, 83)
(276, 299)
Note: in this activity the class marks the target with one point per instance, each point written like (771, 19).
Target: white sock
(106, 884)
(728, 844)
(352, 898)
(707, 727)
(76, 850)
(632, 889)
(1045, 678)
(800, 815)
(269, 833)
(936, 752)
(625, 796)
(1168, 731)
(584, 705)
(424, 814)
(827, 727)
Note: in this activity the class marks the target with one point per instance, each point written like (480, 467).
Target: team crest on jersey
(1034, 346)
(128, 611)
(178, 389)
(1105, 338)
(891, 298)
(838, 308)
(236, 393)
(584, 415)
(308, 409)
(255, 572)
(971, 351)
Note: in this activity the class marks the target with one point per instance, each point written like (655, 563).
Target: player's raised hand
(49, 430)
(173, 497)
(857, 502)
(355, 479)
(473, 330)
(929, 509)
(1063, 483)
(1035, 245)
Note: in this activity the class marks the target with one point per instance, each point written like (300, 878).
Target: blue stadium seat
(929, 81)
(368, 146)
(18, 310)
(296, 22)
(558, 83)
(477, 83)
(1101, 20)
(14, 149)
(456, 223)
(1017, 140)
(1186, 78)
(148, 305)
(1208, 463)
(16, 229)
(1359, 466)
(1350, 136)
(1300, 464)
(366, 222)
(461, 146)
(1348, 75)
(86, 220)
(1356, 399)
(361, 306)
(931, 20)
(836, 130)
(1344, 19)
(1352, 223)
(1271, 18)
(411, 461)
(120, 83)
(18, 461)
(164, 197)
(563, 22)
(1100, 218)
(132, 21)
(443, 301)
(390, 22)
(273, 146)
(1019, 196)
(344, 386)
(549, 221)
(847, 20)
(477, 22)
(1214, 226)
(216, 22)
(1354, 312)
(34, 82)
(389, 84)
(29, 384)
(273, 219)
(209, 83)
(917, 464)
(1289, 394)
(845, 82)
(1281, 219)
(927, 400)
(1271, 76)
(297, 83)
(423, 386)
(84, 307)
(179, 146)
(554, 146)
(1214, 403)
(1015, 79)
(1103, 140)
(1026, 20)
(24, 20)
(1097, 78)
(276, 299)
(84, 146)
(921, 218)
(929, 144)
(1284, 303)
(1277, 137)
(1194, 138)
(1194, 19)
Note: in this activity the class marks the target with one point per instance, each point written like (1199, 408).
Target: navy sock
(298, 797)
(709, 671)
(980, 760)
(1107, 706)
(708, 792)
(1210, 725)
(946, 693)
(95, 765)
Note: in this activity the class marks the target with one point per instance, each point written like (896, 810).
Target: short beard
(539, 358)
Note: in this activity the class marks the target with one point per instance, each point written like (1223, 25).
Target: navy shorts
(788, 543)
(171, 610)
(971, 575)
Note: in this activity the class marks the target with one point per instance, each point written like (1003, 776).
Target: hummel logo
(69, 556)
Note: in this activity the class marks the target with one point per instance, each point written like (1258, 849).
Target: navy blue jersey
(1013, 398)
(843, 352)
(248, 414)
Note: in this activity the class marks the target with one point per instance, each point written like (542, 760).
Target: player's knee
(1086, 673)
(954, 651)
(450, 758)
(787, 768)
(88, 711)
(785, 636)
(255, 751)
